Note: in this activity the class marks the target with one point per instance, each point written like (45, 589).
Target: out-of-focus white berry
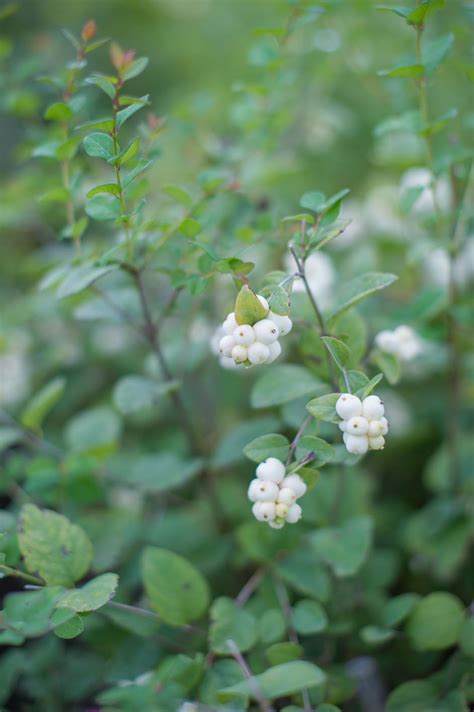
(230, 323)
(263, 302)
(281, 510)
(404, 333)
(266, 491)
(343, 425)
(244, 335)
(239, 353)
(384, 423)
(252, 492)
(358, 425)
(387, 341)
(408, 350)
(275, 351)
(268, 511)
(377, 443)
(271, 470)
(226, 344)
(376, 429)
(258, 353)
(256, 511)
(296, 483)
(294, 514)
(356, 444)
(276, 525)
(348, 406)
(372, 408)
(266, 331)
(286, 495)
(283, 323)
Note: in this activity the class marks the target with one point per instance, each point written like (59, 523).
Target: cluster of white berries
(363, 423)
(403, 342)
(274, 494)
(257, 344)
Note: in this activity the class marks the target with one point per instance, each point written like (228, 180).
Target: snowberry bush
(236, 470)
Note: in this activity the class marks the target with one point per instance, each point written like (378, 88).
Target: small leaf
(135, 393)
(359, 288)
(79, 278)
(99, 80)
(338, 350)
(135, 68)
(95, 430)
(344, 548)
(407, 70)
(129, 153)
(176, 589)
(41, 404)
(436, 622)
(323, 451)
(375, 635)
(279, 301)
(398, 608)
(435, 51)
(70, 628)
(280, 681)
(282, 384)
(161, 472)
(228, 621)
(309, 617)
(105, 124)
(367, 389)
(29, 613)
(179, 194)
(125, 114)
(248, 308)
(280, 653)
(313, 200)
(99, 145)
(272, 445)
(388, 364)
(425, 8)
(190, 227)
(324, 408)
(93, 595)
(104, 188)
(60, 111)
(103, 208)
(52, 547)
(307, 217)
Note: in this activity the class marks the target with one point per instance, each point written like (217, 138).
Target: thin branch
(249, 588)
(297, 438)
(16, 573)
(263, 703)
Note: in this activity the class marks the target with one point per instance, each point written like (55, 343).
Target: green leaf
(309, 617)
(282, 384)
(70, 629)
(283, 653)
(248, 308)
(141, 166)
(425, 8)
(105, 124)
(397, 609)
(280, 680)
(324, 408)
(60, 111)
(161, 472)
(367, 389)
(272, 445)
(95, 430)
(466, 638)
(135, 393)
(323, 451)
(127, 154)
(79, 278)
(328, 233)
(190, 227)
(314, 200)
(93, 595)
(375, 635)
(30, 613)
(135, 68)
(344, 548)
(435, 51)
(125, 114)
(279, 301)
(99, 80)
(56, 195)
(230, 448)
(99, 145)
(309, 475)
(436, 622)
(53, 548)
(413, 696)
(306, 574)
(388, 364)
(103, 207)
(359, 288)
(307, 217)
(179, 194)
(338, 350)
(229, 622)
(399, 10)
(271, 626)
(41, 404)
(9, 436)
(104, 188)
(411, 71)
(176, 589)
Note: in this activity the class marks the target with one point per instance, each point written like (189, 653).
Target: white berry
(230, 323)
(348, 406)
(275, 351)
(283, 323)
(265, 491)
(244, 335)
(356, 444)
(372, 408)
(375, 429)
(343, 425)
(387, 341)
(295, 483)
(377, 443)
(252, 492)
(357, 425)
(226, 344)
(258, 353)
(294, 514)
(384, 422)
(266, 331)
(268, 511)
(404, 333)
(263, 302)
(286, 495)
(239, 353)
(276, 525)
(281, 510)
(272, 470)
(256, 511)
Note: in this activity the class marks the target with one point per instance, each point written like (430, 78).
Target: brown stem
(249, 588)
(263, 703)
(297, 438)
